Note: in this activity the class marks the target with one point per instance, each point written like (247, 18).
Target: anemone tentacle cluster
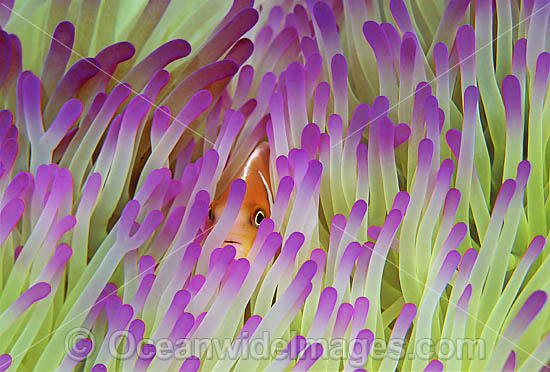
(409, 159)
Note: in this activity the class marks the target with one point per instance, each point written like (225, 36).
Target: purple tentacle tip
(5, 362)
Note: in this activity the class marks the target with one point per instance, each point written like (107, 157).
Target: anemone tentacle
(409, 162)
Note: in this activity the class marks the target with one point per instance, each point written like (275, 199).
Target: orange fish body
(256, 203)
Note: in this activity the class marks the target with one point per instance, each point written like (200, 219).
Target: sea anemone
(409, 145)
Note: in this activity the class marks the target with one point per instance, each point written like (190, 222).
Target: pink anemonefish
(257, 202)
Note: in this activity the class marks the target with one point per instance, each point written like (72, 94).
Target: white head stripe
(269, 195)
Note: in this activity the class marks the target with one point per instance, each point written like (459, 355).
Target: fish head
(256, 204)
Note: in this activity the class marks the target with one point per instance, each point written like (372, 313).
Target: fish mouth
(239, 248)
(231, 242)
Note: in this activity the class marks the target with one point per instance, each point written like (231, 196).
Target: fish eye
(258, 217)
(210, 216)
